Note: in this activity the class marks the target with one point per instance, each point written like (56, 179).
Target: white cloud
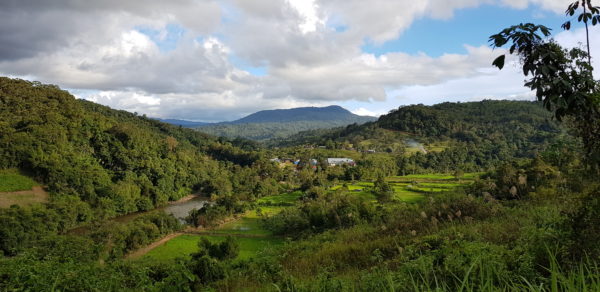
(308, 11)
(365, 112)
(99, 48)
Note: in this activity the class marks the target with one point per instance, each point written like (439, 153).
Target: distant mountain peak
(328, 113)
(280, 123)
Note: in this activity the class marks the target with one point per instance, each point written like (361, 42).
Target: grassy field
(249, 223)
(11, 181)
(184, 245)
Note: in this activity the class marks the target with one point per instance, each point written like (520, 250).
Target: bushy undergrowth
(450, 242)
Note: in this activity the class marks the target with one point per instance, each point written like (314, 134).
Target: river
(181, 209)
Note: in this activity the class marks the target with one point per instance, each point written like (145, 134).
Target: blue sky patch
(471, 26)
(166, 39)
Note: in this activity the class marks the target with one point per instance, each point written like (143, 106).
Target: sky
(218, 60)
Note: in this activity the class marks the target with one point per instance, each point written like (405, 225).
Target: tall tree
(561, 78)
(590, 13)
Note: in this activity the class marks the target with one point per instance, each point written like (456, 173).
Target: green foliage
(21, 227)
(115, 161)
(285, 199)
(227, 249)
(323, 212)
(119, 239)
(28, 272)
(561, 78)
(383, 191)
(99, 163)
(585, 227)
(207, 269)
(207, 216)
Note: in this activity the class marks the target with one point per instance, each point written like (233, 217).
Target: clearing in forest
(17, 189)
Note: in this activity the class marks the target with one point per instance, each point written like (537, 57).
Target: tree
(593, 15)
(383, 190)
(458, 174)
(561, 78)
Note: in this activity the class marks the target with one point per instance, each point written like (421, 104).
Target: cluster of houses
(344, 148)
(283, 162)
(340, 161)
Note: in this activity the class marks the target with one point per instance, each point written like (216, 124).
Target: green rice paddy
(186, 244)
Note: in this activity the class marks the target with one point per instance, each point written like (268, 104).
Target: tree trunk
(587, 34)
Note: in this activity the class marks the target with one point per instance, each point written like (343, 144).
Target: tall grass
(480, 276)
(583, 277)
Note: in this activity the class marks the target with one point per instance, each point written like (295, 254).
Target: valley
(299, 146)
(429, 198)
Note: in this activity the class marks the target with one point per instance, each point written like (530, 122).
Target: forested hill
(468, 121)
(283, 123)
(472, 135)
(114, 162)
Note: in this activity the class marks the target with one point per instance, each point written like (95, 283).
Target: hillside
(108, 162)
(283, 123)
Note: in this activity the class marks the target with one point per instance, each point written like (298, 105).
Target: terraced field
(412, 188)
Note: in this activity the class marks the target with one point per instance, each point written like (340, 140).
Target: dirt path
(37, 194)
(142, 251)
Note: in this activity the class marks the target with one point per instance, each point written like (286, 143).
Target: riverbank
(180, 209)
